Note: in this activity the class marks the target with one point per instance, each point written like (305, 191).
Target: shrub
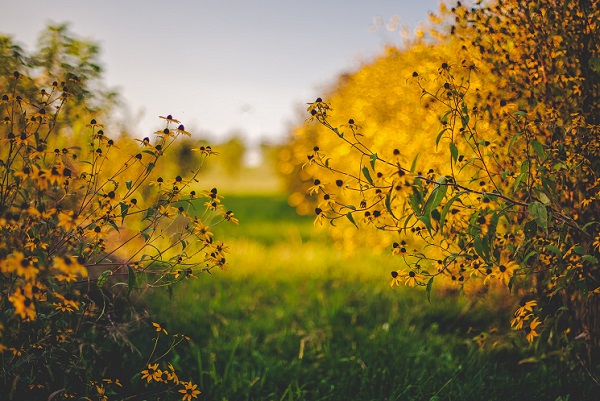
(81, 233)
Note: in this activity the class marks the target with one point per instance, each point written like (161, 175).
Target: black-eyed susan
(169, 119)
(530, 330)
(229, 217)
(316, 187)
(189, 391)
(396, 278)
(150, 373)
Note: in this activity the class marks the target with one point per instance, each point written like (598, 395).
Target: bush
(83, 229)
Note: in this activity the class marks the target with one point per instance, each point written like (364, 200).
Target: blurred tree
(232, 153)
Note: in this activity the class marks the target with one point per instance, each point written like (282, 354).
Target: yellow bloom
(151, 373)
(189, 391)
(525, 307)
(396, 279)
(531, 333)
(159, 327)
(23, 305)
(169, 118)
(229, 216)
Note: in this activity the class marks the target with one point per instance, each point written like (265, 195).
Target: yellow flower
(181, 130)
(316, 187)
(531, 333)
(525, 307)
(189, 391)
(151, 373)
(396, 278)
(229, 216)
(23, 305)
(169, 118)
(159, 327)
(205, 150)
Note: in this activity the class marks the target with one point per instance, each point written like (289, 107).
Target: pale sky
(222, 65)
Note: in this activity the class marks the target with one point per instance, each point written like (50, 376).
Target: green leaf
(103, 277)
(520, 113)
(373, 158)
(540, 214)
(518, 181)
(351, 218)
(128, 184)
(150, 167)
(447, 207)
(579, 250)
(124, 210)
(439, 137)
(453, 151)
(554, 249)
(590, 258)
(530, 229)
(428, 289)
(365, 171)
(539, 149)
(413, 166)
(436, 197)
(513, 140)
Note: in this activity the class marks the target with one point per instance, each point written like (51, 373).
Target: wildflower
(229, 216)
(316, 187)
(189, 391)
(169, 118)
(396, 278)
(205, 150)
(531, 333)
(66, 304)
(159, 327)
(94, 124)
(150, 373)
(23, 305)
(70, 266)
(181, 130)
(525, 307)
(412, 279)
(399, 248)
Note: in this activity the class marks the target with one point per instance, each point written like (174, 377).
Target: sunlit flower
(229, 217)
(189, 391)
(316, 187)
(160, 327)
(396, 278)
(150, 373)
(525, 306)
(181, 130)
(169, 118)
(23, 305)
(531, 333)
(205, 150)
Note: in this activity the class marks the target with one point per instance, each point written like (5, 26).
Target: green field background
(295, 318)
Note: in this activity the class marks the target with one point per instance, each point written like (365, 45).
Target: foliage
(504, 188)
(302, 321)
(81, 233)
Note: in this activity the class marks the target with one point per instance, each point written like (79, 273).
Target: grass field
(295, 319)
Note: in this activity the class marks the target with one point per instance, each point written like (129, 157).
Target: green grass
(296, 319)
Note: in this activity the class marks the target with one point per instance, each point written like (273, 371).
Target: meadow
(294, 318)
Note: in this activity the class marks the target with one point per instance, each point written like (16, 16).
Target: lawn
(293, 318)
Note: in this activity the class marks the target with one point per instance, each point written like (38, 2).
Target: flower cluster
(80, 217)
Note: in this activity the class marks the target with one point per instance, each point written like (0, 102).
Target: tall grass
(296, 319)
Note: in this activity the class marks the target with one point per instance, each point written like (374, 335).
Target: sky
(222, 66)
